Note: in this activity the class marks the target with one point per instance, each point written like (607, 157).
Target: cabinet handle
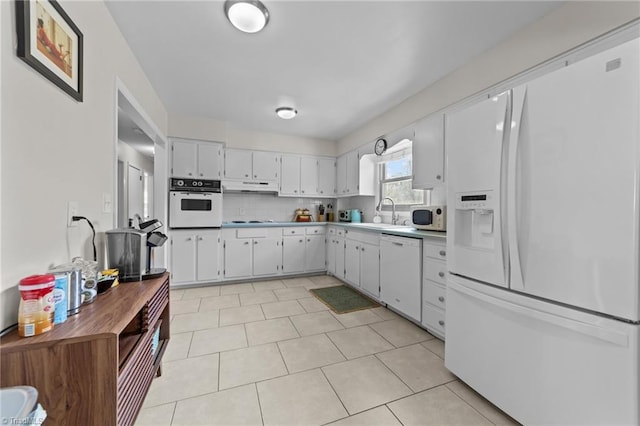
(441, 323)
(302, 191)
(246, 175)
(190, 174)
(188, 238)
(438, 177)
(302, 241)
(443, 253)
(201, 174)
(398, 300)
(322, 192)
(295, 191)
(255, 242)
(308, 240)
(441, 299)
(246, 243)
(200, 238)
(293, 232)
(255, 176)
(362, 249)
(397, 244)
(441, 274)
(315, 232)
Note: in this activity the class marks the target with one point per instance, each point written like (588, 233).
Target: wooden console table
(95, 368)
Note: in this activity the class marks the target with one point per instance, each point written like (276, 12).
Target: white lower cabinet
(434, 271)
(315, 253)
(195, 256)
(252, 252)
(293, 254)
(362, 261)
(401, 274)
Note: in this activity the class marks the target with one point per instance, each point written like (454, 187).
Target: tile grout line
(335, 392)
(255, 386)
(466, 402)
(393, 413)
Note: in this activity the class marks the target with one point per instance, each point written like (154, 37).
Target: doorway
(141, 168)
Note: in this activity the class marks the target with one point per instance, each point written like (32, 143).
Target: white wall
(56, 150)
(563, 29)
(233, 137)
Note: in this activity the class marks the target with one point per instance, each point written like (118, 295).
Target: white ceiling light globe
(286, 113)
(247, 16)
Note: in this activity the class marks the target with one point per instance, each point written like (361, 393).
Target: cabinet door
(267, 256)
(341, 174)
(353, 173)
(208, 260)
(293, 254)
(352, 262)
(237, 164)
(340, 258)
(290, 175)
(237, 258)
(184, 159)
(308, 176)
(265, 166)
(428, 152)
(331, 255)
(183, 257)
(370, 269)
(326, 177)
(209, 160)
(315, 253)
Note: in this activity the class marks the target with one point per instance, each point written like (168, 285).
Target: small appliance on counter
(344, 215)
(356, 216)
(429, 218)
(129, 251)
(302, 215)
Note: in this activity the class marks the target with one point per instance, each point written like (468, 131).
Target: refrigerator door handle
(504, 179)
(516, 121)
(605, 334)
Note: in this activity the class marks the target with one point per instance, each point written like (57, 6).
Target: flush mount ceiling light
(249, 16)
(286, 113)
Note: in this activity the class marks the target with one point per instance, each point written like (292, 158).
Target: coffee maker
(129, 250)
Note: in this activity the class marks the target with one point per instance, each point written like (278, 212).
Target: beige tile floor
(269, 353)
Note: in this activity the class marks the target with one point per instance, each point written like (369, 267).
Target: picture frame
(51, 43)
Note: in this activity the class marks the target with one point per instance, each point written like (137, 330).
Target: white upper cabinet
(265, 165)
(327, 177)
(238, 164)
(196, 159)
(355, 175)
(251, 165)
(307, 176)
(290, 175)
(428, 152)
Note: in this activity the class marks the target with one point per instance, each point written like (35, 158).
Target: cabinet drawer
(435, 250)
(434, 293)
(315, 230)
(433, 318)
(251, 233)
(293, 231)
(434, 270)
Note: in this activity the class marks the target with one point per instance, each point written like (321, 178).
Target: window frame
(409, 177)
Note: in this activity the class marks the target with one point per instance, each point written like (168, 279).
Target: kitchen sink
(17, 402)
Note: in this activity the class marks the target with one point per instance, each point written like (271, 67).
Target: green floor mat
(342, 299)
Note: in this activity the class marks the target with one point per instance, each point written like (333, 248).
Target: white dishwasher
(401, 274)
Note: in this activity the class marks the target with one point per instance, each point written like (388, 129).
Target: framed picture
(51, 43)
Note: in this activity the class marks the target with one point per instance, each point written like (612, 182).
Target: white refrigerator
(543, 297)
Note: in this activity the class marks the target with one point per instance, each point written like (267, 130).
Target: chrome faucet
(394, 218)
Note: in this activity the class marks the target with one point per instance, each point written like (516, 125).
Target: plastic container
(37, 305)
(60, 292)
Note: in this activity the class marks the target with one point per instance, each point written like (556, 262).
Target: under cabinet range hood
(249, 186)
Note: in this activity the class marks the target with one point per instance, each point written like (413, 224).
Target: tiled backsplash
(256, 206)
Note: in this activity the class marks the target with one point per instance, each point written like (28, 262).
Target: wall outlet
(72, 210)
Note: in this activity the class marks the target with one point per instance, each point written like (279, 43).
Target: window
(396, 178)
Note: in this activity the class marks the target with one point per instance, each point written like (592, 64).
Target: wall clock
(380, 146)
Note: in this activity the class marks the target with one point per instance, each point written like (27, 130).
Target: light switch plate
(107, 203)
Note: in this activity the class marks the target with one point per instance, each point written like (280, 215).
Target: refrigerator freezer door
(574, 184)
(477, 156)
(540, 362)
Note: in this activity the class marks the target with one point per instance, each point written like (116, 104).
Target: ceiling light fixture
(249, 16)
(286, 113)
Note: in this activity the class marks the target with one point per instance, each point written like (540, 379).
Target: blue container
(60, 298)
(356, 216)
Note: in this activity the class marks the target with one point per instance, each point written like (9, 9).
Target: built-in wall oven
(195, 203)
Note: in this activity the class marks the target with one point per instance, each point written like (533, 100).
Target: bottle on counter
(37, 305)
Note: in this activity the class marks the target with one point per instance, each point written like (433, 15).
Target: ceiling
(339, 63)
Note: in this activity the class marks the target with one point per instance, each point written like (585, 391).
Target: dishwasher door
(401, 274)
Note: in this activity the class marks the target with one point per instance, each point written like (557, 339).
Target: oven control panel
(194, 185)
